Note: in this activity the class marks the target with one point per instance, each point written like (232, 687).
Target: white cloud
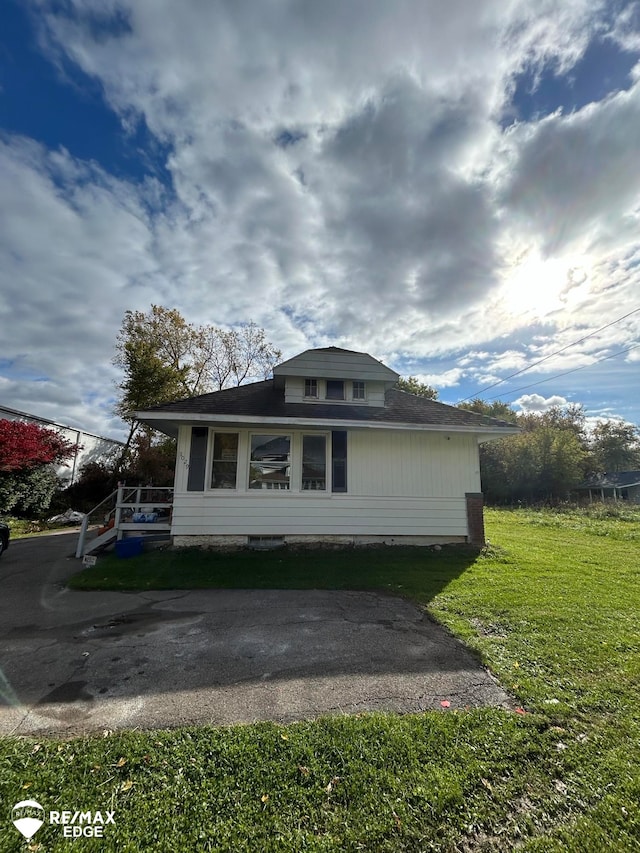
(537, 404)
(338, 174)
(445, 379)
(570, 177)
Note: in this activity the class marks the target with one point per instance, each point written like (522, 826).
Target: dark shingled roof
(264, 399)
(617, 480)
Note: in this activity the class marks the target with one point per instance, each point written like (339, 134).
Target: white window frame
(327, 463)
(210, 460)
(353, 390)
(304, 390)
(292, 436)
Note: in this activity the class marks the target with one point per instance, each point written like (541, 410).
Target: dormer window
(335, 389)
(358, 390)
(310, 388)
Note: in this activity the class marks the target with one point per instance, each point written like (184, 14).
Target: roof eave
(175, 419)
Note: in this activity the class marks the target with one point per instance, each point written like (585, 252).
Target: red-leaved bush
(25, 445)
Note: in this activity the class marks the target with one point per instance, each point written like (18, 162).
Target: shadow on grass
(420, 573)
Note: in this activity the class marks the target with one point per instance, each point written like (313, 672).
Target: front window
(314, 462)
(270, 462)
(310, 387)
(335, 389)
(358, 390)
(225, 460)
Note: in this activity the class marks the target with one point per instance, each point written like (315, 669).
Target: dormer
(334, 376)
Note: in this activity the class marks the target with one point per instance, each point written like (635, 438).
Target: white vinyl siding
(381, 462)
(392, 463)
(400, 483)
(284, 514)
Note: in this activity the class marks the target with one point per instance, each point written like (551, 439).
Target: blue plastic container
(130, 547)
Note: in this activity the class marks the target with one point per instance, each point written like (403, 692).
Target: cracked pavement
(73, 663)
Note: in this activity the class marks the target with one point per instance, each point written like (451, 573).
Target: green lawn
(552, 606)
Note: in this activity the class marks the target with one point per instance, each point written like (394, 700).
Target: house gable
(336, 363)
(336, 375)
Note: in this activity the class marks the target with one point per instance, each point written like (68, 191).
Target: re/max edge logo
(28, 816)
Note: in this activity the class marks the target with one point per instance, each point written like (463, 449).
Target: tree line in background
(164, 358)
(553, 453)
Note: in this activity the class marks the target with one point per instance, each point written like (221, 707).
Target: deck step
(100, 542)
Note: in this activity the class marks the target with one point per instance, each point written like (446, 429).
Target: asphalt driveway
(77, 662)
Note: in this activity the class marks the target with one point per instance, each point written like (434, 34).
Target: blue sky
(452, 187)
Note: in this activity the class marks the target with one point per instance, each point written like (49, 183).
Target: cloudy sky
(452, 186)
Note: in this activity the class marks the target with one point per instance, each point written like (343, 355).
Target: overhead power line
(547, 357)
(566, 373)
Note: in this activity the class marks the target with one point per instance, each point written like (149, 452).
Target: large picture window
(314, 462)
(224, 469)
(270, 462)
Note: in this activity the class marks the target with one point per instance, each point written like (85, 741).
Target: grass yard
(553, 607)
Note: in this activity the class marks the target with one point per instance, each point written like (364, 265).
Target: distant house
(89, 447)
(619, 485)
(328, 451)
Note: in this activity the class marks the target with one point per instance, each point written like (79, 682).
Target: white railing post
(81, 538)
(116, 520)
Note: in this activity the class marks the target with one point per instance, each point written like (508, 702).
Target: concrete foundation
(227, 543)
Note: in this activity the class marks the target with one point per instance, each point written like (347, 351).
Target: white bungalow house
(328, 451)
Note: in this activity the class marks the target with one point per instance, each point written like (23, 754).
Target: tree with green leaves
(543, 463)
(496, 409)
(412, 385)
(615, 446)
(164, 358)
(570, 417)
